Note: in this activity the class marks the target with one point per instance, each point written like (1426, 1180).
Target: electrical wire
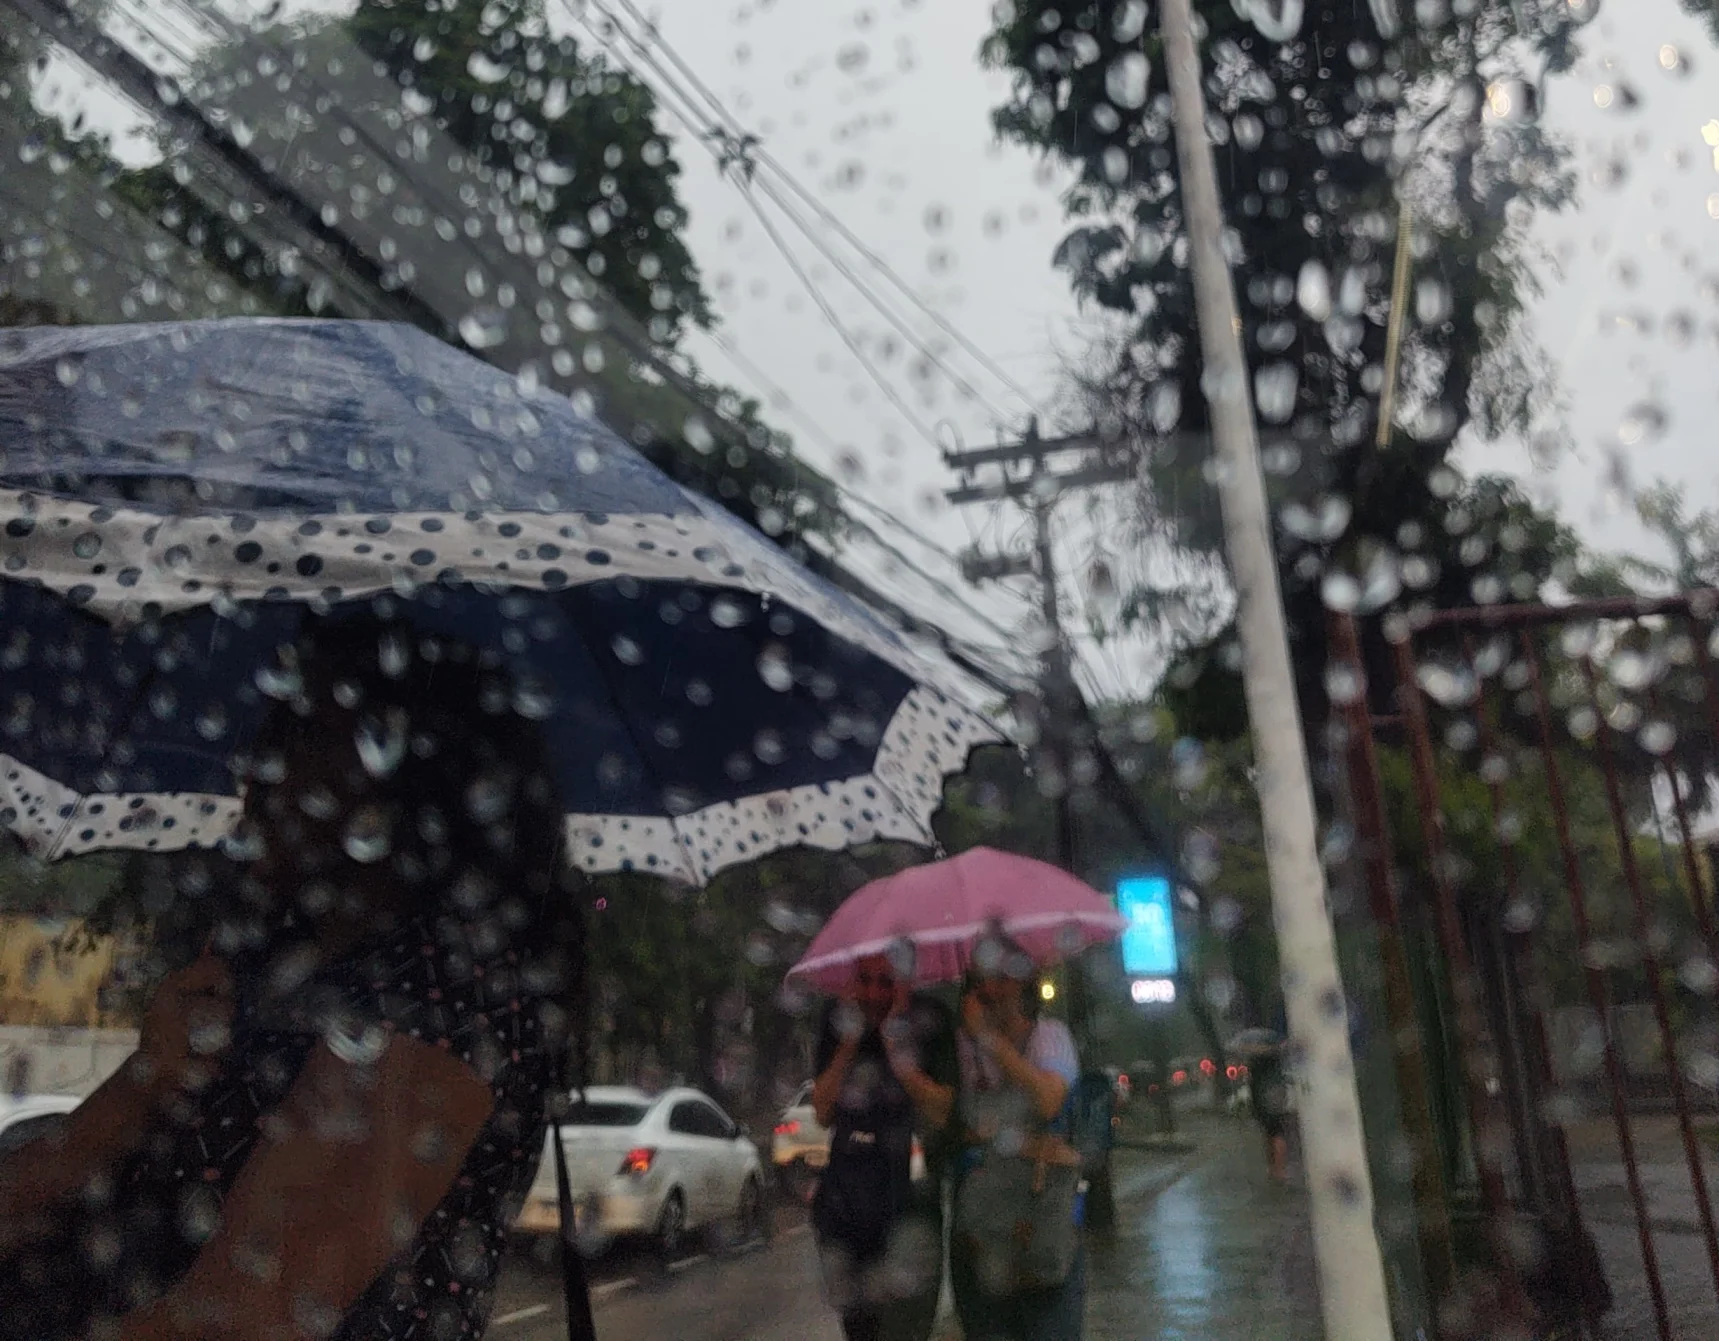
(726, 131)
(829, 216)
(677, 102)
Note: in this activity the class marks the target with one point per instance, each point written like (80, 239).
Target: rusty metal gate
(1527, 786)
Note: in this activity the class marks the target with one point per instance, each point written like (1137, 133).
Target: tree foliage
(1322, 133)
(563, 134)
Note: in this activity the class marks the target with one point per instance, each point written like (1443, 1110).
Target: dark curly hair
(457, 808)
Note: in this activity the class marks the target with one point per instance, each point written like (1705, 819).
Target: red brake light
(638, 1161)
(789, 1128)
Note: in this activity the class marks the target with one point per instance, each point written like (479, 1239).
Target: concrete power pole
(1351, 1266)
(1039, 489)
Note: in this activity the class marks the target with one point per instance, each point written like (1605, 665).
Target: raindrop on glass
(776, 668)
(381, 741)
(1126, 79)
(368, 836)
(1313, 290)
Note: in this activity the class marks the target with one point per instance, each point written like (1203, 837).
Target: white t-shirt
(990, 1104)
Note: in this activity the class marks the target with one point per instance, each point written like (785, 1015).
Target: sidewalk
(1205, 1247)
(1217, 1254)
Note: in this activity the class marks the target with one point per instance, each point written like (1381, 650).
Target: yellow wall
(51, 974)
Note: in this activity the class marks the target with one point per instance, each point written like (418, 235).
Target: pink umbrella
(944, 907)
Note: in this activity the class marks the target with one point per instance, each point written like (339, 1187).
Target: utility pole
(1339, 1181)
(1030, 479)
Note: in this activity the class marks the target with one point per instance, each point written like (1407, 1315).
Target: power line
(774, 390)
(733, 146)
(730, 151)
(847, 338)
(678, 103)
(714, 139)
(829, 216)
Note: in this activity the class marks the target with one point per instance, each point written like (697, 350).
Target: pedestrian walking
(1016, 1261)
(1266, 1054)
(1268, 1088)
(886, 1071)
(335, 1113)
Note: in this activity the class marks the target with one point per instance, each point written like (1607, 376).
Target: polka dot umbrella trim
(175, 499)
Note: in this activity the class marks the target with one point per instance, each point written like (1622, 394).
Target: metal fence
(1525, 784)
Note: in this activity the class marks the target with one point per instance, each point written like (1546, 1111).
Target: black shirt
(871, 1134)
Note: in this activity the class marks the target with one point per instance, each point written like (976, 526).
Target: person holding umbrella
(990, 919)
(561, 661)
(1016, 1264)
(885, 1071)
(1265, 1053)
(336, 1111)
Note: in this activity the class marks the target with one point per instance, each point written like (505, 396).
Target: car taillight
(787, 1128)
(638, 1161)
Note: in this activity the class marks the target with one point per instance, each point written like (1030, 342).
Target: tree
(1308, 114)
(1705, 10)
(562, 134)
(1692, 538)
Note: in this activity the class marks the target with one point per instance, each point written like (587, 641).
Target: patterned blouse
(456, 984)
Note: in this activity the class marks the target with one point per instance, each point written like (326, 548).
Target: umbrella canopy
(175, 499)
(944, 907)
(1255, 1042)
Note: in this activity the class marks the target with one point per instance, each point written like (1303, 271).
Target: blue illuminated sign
(1149, 940)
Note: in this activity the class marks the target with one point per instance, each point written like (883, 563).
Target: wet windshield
(1097, 617)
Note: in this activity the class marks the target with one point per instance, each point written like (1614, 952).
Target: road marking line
(685, 1262)
(520, 1315)
(795, 1232)
(608, 1288)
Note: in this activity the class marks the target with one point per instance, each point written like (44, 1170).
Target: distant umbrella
(1255, 1042)
(944, 908)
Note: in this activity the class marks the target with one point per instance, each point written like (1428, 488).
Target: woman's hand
(187, 1024)
(976, 1020)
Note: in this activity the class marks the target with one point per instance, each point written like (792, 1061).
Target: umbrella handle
(581, 1326)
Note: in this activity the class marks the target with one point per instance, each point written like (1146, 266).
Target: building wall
(52, 974)
(37, 1060)
(56, 1034)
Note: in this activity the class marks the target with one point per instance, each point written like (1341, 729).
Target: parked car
(800, 1148)
(800, 1144)
(661, 1165)
(31, 1117)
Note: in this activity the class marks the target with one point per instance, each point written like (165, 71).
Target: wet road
(761, 1292)
(1204, 1250)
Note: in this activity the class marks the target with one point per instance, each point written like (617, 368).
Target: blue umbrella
(176, 499)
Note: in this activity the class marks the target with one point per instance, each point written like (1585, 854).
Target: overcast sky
(881, 111)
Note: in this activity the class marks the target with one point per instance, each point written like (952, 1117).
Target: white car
(31, 1117)
(800, 1147)
(640, 1163)
(799, 1141)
